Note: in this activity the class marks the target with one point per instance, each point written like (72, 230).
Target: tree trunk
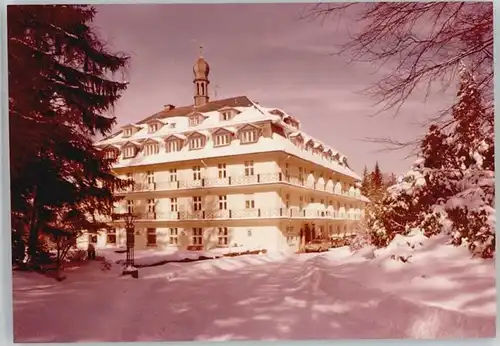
(33, 231)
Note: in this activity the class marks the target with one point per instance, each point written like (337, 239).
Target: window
(248, 168)
(197, 236)
(110, 154)
(301, 202)
(130, 206)
(173, 236)
(196, 173)
(312, 200)
(173, 204)
(194, 121)
(151, 149)
(223, 236)
(173, 174)
(172, 146)
(222, 170)
(250, 203)
(128, 152)
(222, 139)
(196, 142)
(127, 132)
(152, 128)
(249, 136)
(197, 203)
(151, 205)
(171, 125)
(222, 202)
(150, 177)
(226, 115)
(93, 238)
(151, 236)
(301, 174)
(287, 201)
(111, 236)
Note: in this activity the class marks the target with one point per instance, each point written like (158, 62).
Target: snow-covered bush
(450, 188)
(362, 237)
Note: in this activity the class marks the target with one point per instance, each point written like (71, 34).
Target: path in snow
(248, 297)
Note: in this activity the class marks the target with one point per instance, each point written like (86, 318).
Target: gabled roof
(176, 136)
(130, 143)
(296, 134)
(151, 140)
(110, 146)
(200, 132)
(243, 127)
(310, 141)
(226, 129)
(197, 114)
(131, 125)
(156, 121)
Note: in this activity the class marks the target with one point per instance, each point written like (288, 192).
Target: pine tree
(59, 92)
(365, 183)
(376, 183)
(471, 207)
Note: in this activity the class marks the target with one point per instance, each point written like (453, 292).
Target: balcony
(230, 214)
(237, 180)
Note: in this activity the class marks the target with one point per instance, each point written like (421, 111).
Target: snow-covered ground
(439, 293)
(153, 257)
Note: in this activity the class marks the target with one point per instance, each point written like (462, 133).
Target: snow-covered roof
(250, 114)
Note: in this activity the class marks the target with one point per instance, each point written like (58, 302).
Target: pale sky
(265, 52)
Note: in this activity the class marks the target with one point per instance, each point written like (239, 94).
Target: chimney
(169, 107)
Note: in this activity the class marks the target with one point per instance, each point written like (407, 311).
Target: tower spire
(201, 71)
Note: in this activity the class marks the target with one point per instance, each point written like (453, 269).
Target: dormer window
(249, 136)
(195, 119)
(227, 113)
(222, 139)
(110, 154)
(153, 127)
(173, 146)
(129, 151)
(309, 145)
(151, 149)
(171, 125)
(174, 142)
(127, 132)
(196, 142)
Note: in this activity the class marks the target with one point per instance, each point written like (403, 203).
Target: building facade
(228, 173)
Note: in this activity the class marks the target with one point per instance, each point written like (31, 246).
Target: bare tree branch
(424, 43)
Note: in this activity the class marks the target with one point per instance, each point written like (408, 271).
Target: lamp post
(129, 268)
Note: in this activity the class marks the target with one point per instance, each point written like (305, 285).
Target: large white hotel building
(228, 173)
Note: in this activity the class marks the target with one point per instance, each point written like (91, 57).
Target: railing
(219, 214)
(240, 180)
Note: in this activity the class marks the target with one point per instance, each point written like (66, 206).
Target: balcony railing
(240, 180)
(254, 213)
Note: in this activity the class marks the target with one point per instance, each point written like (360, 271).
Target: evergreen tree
(451, 186)
(60, 89)
(376, 183)
(365, 183)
